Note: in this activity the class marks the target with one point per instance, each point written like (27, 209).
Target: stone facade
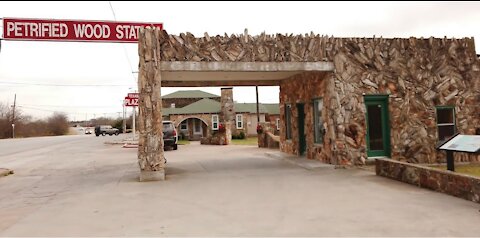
(219, 137)
(249, 124)
(302, 89)
(267, 138)
(416, 74)
(459, 185)
(227, 111)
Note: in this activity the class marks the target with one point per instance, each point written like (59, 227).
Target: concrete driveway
(85, 188)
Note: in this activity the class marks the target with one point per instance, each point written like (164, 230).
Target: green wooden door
(378, 125)
(301, 129)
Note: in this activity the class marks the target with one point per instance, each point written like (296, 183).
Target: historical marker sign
(463, 143)
(72, 30)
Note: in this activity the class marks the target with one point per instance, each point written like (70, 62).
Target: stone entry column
(150, 142)
(227, 113)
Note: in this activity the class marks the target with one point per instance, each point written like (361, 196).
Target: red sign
(72, 30)
(131, 102)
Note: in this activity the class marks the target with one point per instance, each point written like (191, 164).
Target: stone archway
(195, 127)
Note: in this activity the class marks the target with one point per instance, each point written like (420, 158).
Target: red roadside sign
(131, 100)
(72, 30)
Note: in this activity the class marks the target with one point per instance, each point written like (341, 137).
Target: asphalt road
(79, 186)
(11, 149)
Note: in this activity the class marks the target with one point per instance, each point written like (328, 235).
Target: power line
(65, 85)
(68, 106)
(73, 113)
(124, 49)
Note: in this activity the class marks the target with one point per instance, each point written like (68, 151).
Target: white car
(88, 131)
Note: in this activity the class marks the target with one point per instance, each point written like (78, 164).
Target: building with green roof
(196, 114)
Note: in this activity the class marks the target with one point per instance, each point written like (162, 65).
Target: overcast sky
(25, 63)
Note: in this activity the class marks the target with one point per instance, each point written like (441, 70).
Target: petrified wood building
(342, 100)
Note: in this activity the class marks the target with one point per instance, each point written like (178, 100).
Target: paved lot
(78, 186)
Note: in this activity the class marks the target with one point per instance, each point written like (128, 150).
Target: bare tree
(58, 124)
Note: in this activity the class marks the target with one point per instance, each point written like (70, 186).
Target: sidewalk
(125, 141)
(301, 161)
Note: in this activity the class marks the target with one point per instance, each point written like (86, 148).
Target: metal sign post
(133, 126)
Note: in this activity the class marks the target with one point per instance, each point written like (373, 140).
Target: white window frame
(239, 119)
(278, 124)
(184, 123)
(215, 121)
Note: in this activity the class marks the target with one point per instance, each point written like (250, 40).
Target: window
(239, 121)
(278, 124)
(317, 120)
(215, 122)
(445, 122)
(172, 105)
(184, 125)
(197, 126)
(288, 122)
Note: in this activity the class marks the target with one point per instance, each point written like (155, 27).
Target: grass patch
(248, 141)
(183, 142)
(470, 169)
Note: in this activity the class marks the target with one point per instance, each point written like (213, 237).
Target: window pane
(183, 125)
(444, 115)
(288, 117)
(215, 122)
(167, 126)
(375, 127)
(445, 132)
(318, 122)
(197, 125)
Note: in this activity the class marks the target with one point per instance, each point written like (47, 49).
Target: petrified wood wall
(418, 74)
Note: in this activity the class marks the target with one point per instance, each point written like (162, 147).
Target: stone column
(228, 133)
(227, 112)
(150, 142)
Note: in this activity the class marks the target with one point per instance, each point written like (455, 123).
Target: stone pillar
(228, 133)
(227, 112)
(150, 142)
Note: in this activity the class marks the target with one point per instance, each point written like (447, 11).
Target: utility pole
(133, 126)
(258, 115)
(13, 116)
(124, 126)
